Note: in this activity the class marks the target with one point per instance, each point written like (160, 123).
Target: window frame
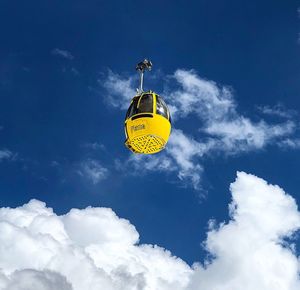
(135, 103)
(164, 105)
(141, 98)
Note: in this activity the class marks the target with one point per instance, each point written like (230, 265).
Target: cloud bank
(93, 248)
(219, 126)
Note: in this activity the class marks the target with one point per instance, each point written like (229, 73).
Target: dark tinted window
(132, 108)
(146, 104)
(161, 107)
(140, 105)
(128, 111)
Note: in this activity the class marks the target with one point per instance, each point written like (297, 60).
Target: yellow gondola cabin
(148, 120)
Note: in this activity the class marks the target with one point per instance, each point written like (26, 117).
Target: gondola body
(147, 124)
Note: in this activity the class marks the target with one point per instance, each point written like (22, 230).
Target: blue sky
(66, 71)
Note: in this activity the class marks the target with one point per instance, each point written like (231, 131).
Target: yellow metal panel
(147, 135)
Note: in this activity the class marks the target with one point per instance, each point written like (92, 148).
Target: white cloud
(220, 128)
(119, 90)
(93, 248)
(277, 110)
(33, 279)
(196, 95)
(249, 250)
(93, 170)
(5, 154)
(63, 53)
(217, 110)
(179, 156)
(290, 143)
(241, 134)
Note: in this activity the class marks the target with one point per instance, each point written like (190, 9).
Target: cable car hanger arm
(141, 67)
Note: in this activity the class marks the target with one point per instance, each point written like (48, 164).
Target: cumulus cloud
(32, 279)
(62, 53)
(249, 251)
(87, 249)
(93, 170)
(93, 248)
(221, 128)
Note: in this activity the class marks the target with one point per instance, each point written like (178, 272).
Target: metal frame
(142, 67)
